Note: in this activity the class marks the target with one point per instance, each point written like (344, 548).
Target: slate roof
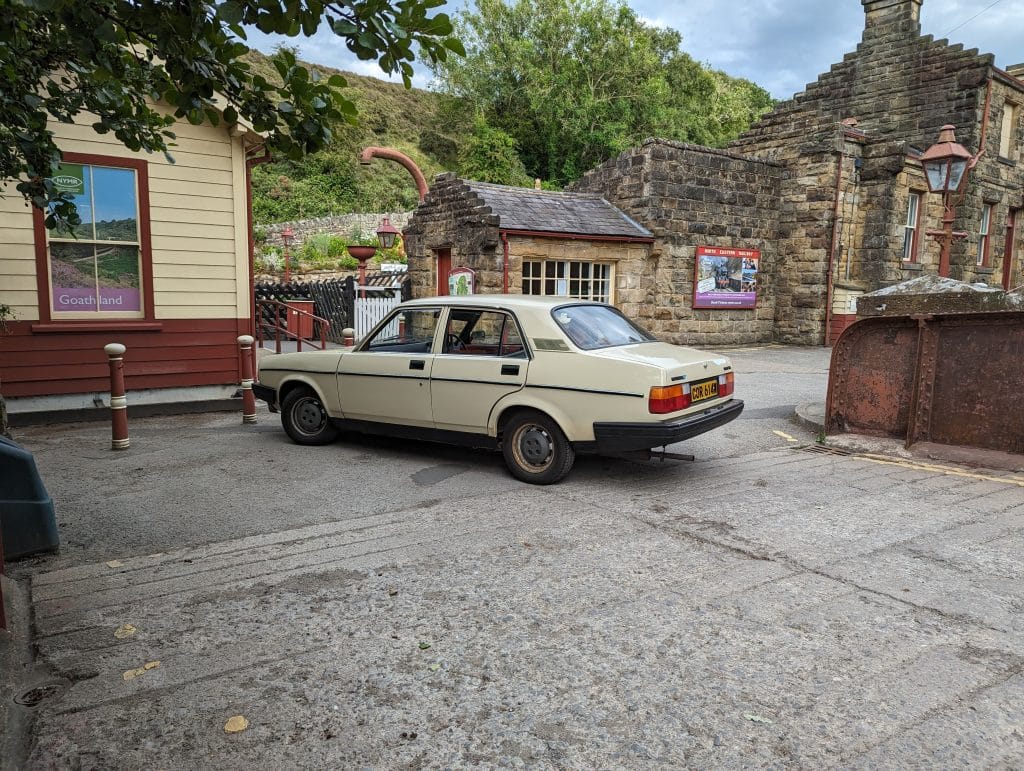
(523, 208)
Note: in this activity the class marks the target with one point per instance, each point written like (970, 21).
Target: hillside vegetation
(333, 181)
(507, 143)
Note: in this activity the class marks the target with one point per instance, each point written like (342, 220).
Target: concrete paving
(375, 605)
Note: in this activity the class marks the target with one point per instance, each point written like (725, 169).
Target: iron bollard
(348, 336)
(118, 400)
(248, 398)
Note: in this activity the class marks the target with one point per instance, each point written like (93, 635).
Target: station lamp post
(386, 234)
(947, 165)
(286, 236)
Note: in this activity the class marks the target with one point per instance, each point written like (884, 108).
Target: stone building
(523, 240)
(826, 193)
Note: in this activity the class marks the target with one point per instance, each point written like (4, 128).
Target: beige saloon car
(540, 378)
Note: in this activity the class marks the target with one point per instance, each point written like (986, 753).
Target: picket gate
(369, 310)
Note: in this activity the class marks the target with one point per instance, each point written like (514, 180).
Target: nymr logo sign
(70, 178)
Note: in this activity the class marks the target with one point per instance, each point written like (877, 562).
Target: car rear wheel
(535, 449)
(305, 419)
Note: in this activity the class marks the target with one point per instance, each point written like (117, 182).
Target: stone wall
(898, 88)
(349, 225)
(691, 196)
(452, 217)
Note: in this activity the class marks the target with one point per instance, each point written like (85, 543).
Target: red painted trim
(579, 236)
(42, 265)
(71, 327)
(141, 169)
(504, 261)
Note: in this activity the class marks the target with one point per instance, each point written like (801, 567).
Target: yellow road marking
(785, 436)
(918, 466)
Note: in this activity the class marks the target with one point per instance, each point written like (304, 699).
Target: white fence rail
(374, 307)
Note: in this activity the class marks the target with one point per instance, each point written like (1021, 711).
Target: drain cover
(40, 692)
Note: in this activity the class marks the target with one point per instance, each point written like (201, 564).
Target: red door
(444, 267)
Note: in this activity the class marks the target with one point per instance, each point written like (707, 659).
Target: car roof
(509, 301)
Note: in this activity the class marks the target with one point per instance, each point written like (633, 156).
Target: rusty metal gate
(955, 379)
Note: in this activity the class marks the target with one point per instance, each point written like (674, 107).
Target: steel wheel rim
(308, 415)
(533, 447)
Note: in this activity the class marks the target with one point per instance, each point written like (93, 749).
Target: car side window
(407, 331)
(472, 332)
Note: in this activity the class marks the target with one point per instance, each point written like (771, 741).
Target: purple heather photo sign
(725, 278)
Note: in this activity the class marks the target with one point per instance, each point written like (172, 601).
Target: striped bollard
(248, 398)
(118, 400)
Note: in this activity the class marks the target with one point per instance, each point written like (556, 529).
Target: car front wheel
(305, 419)
(535, 449)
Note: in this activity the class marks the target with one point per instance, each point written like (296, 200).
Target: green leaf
(230, 12)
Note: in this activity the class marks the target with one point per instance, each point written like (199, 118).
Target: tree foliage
(575, 82)
(114, 58)
(489, 155)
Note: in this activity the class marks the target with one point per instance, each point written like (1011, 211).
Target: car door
(387, 378)
(482, 359)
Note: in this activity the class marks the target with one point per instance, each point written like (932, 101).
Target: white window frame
(984, 239)
(599, 283)
(912, 227)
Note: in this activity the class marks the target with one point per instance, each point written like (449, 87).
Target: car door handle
(509, 369)
(417, 364)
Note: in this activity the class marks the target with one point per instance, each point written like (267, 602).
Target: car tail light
(672, 398)
(726, 384)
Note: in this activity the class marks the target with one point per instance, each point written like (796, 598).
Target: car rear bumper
(613, 438)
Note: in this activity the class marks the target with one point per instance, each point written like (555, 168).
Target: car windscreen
(598, 326)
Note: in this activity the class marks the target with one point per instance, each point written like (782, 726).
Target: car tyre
(305, 418)
(535, 449)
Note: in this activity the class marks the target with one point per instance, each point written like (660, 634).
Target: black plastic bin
(27, 520)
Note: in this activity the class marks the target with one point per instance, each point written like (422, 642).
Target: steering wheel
(453, 342)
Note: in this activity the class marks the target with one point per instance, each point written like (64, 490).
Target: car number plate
(705, 389)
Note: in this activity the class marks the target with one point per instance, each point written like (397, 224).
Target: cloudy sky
(781, 45)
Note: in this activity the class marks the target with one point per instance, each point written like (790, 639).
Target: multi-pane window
(95, 266)
(568, 278)
(911, 229)
(983, 234)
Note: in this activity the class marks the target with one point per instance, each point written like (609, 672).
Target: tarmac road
(373, 605)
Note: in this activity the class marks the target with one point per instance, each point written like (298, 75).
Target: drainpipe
(504, 261)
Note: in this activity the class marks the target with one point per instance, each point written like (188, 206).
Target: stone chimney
(892, 18)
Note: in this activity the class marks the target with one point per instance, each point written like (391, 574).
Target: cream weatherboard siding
(200, 266)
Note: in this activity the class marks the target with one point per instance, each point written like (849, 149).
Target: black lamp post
(946, 167)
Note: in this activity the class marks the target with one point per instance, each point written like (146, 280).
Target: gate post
(248, 398)
(118, 400)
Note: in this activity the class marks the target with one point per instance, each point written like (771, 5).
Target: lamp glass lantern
(386, 234)
(946, 162)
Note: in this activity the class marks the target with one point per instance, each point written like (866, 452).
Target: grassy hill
(426, 126)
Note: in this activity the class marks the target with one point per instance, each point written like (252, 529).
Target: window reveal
(95, 267)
